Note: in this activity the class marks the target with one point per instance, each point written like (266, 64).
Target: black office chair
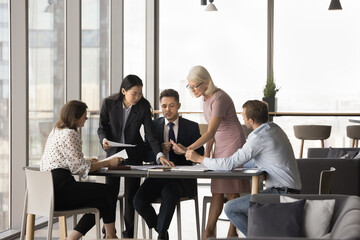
(326, 177)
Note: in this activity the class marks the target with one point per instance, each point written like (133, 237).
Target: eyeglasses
(193, 87)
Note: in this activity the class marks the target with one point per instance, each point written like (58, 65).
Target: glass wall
(134, 39)
(230, 43)
(316, 64)
(95, 68)
(46, 71)
(4, 116)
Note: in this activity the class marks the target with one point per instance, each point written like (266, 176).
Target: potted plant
(270, 91)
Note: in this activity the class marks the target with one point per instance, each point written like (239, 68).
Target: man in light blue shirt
(267, 148)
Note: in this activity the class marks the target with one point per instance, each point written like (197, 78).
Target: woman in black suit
(121, 117)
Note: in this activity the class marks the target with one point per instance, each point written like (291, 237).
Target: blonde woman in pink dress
(225, 131)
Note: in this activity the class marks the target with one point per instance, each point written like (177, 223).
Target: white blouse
(63, 149)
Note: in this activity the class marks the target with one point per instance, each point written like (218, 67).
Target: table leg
(254, 184)
(62, 227)
(30, 227)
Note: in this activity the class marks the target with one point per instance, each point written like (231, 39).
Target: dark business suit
(110, 127)
(169, 190)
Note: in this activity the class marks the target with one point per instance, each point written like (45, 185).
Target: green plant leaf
(270, 88)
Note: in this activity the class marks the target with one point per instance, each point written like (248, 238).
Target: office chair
(39, 200)
(326, 177)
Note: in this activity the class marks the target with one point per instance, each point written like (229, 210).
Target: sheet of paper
(122, 154)
(147, 167)
(193, 168)
(116, 144)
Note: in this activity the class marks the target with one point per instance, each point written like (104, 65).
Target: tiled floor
(187, 216)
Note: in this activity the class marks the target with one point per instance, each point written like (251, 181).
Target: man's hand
(178, 148)
(194, 156)
(166, 162)
(106, 144)
(166, 146)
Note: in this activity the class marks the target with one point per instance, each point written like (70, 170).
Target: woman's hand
(115, 161)
(178, 148)
(92, 160)
(193, 156)
(166, 162)
(106, 144)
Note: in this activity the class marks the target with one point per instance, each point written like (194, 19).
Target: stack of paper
(193, 168)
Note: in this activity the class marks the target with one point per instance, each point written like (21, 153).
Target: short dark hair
(71, 111)
(170, 93)
(257, 111)
(128, 82)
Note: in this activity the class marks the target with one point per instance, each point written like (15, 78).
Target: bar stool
(353, 132)
(311, 132)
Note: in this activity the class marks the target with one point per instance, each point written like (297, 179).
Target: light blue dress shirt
(269, 149)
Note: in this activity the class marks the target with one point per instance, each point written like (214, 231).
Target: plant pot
(272, 103)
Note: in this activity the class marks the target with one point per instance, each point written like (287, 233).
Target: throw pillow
(275, 219)
(350, 154)
(317, 216)
(335, 153)
(357, 156)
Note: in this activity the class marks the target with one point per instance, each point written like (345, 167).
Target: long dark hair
(71, 111)
(129, 82)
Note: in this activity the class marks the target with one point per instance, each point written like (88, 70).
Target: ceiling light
(210, 6)
(50, 6)
(335, 5)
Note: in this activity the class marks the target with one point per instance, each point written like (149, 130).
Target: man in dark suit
(184, 132)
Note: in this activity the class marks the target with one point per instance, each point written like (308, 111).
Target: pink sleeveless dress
(229, 137)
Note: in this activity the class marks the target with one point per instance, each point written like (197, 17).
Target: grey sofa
(345, 222)
(346, 179)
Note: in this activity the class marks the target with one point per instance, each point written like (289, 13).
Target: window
(134, 39)
(316, 64)
(95, 68)
(230, 43)
(317, 56)
(46, 71)
(4, 116)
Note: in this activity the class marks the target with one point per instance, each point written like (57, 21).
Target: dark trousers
(131, 186)
(71, 194)
(169, 190)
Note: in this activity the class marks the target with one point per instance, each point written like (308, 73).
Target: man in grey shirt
(267, 148)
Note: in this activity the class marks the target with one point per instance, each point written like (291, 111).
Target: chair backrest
(326, 177)
(40, 192)
(312, 132)
(246, 130)
(203, 128)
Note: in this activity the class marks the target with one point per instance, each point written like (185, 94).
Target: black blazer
(188, 133)
(111, 124)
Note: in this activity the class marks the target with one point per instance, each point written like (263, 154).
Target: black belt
(287, 190)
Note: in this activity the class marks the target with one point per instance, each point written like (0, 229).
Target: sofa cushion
(323, 152)
(276, 219)
(335, 153)
(317, 216)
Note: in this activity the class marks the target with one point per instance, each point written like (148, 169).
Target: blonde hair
(199, 74)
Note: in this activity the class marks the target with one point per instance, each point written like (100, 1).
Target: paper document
(122, 154)
(149, 167)
(116, 144)
(193, 168)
